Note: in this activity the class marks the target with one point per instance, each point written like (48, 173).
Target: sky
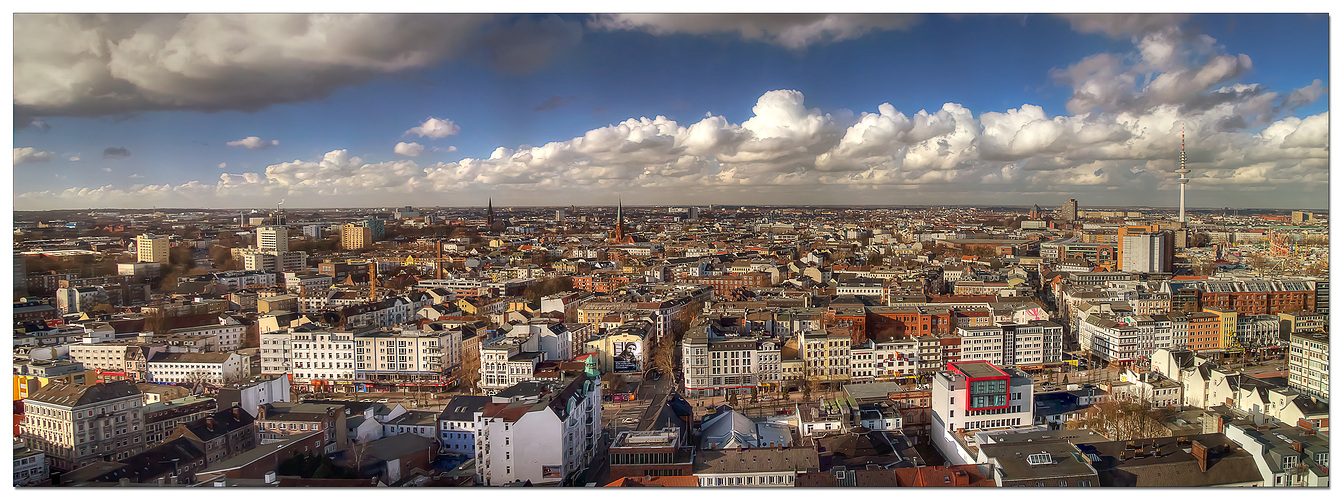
(341, 110)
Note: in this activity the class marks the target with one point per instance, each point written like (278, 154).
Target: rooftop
(977, 369)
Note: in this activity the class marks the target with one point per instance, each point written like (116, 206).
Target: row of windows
(747, 481)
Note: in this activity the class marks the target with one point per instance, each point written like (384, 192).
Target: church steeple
(489, 214)
(619, 220)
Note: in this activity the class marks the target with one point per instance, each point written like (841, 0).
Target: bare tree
(1124, 420)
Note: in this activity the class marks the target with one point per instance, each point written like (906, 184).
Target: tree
(155, 323)
(222, 258)
(1199, 240)
(1123, 420)
(875, 259)
(101, 310)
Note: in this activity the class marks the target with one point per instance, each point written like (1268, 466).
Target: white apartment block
(715, 364)
(505, 361)
(542, 438)
(1309, 364)
(214, 368)
(322, 358)
(237, 280)
(276, 355)
(272, 238)
(457, 423)
(1124, 338)
(227, 337)
(129, 359)
(397, 354)
(885, 361)
(553, 339)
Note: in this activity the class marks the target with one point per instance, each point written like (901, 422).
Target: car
(383, 400)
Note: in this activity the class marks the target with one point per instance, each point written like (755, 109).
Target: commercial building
(976, 395)
(716, 362)
(759, 467)
(650, 453)
(1069, 211)
(78, 425)
(151, 248)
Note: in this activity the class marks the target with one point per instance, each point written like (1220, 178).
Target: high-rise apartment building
(355, 237)
(151, 248)
(1147, 253)
(1069, 209)
(272, 238)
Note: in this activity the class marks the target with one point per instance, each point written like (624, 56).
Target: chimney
(1298, 446)
(1200, 452)
(237, 412)
(209, 422)
(270, 477)
(961, 478)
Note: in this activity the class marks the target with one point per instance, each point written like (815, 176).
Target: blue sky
(800, 109)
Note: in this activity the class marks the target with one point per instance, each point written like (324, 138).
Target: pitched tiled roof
(72, 396)
(657, 481)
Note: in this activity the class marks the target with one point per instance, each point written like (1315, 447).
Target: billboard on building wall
(628, 357)
(551, 472)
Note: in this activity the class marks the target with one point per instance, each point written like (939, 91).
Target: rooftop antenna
(1183, 171)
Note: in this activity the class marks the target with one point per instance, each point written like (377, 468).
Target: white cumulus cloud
(408, 148)
(254, 142)
(435, 128)
(30, 155)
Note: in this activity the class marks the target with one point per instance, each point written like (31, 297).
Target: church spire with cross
(619, 220)
(489, 214)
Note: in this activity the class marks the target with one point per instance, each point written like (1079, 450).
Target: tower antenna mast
(1183, 171)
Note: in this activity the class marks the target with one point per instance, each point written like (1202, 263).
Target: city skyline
(214, 111)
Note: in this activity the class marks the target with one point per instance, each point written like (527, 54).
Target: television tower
(1183, 171)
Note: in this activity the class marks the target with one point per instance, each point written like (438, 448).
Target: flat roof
(977, 369)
